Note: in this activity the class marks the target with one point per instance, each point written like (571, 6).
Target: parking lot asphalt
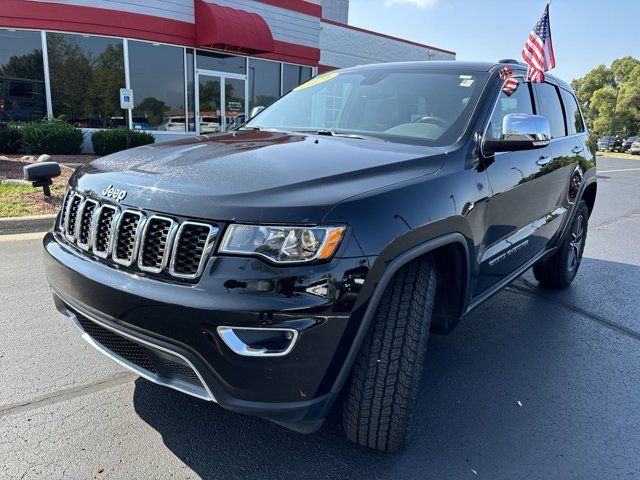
(533, 384)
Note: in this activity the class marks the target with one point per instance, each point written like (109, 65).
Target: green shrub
(111, 141)
(10, 139)
(54, 137)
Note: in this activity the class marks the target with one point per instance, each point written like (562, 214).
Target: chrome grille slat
(84, 223)
(127, 237)
(105, 219)
(71, 216)
(157, 244)
(192, 246)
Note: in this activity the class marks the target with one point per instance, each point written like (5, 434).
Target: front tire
(385, 380)
(559, 270)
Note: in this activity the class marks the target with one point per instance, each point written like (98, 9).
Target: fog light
(259, 342)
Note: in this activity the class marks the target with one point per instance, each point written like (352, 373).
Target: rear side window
(574, 118)
(550, 107)
(518, 102)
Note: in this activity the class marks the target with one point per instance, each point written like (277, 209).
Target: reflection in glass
(209, 104)
(294, 75)
(264, 83)
(22, 93)
(221, 63)
(86, 76)
(191, 99)
(234, 102)
(157, 79)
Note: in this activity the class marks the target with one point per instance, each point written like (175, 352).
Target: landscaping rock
(2, 157)
(28, 158)
(44, 158)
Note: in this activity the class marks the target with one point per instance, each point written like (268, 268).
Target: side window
(574, 118)
(550, 107)
(518, 102)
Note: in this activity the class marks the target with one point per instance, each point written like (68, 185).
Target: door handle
(577, 149)
(542, 161)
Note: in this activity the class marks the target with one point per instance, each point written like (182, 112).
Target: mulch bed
(35, 203)
(12, 168)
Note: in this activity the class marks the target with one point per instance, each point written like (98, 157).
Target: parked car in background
(635, 147)
(209, 124)
(173, 124)
(90, 122)
(626, 145)
(609, 144)
(140, 122)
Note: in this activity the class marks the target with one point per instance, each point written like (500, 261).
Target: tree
(610, 97)
(153, 109)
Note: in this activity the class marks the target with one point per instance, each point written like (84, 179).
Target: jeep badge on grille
(115, 193)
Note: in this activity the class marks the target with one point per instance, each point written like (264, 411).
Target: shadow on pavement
(524, 388)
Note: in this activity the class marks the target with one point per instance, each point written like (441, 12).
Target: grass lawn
(618, 155)
(20, 201)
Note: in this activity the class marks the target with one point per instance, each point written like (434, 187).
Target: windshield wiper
(333, 133)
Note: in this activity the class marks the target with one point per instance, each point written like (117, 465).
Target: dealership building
(194, 66)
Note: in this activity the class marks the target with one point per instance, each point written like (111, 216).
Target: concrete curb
(35, 223)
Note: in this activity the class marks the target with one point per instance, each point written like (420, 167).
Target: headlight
(283, 244)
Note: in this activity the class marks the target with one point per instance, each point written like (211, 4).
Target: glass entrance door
(221, 102)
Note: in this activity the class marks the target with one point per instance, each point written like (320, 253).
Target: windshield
(397, 105)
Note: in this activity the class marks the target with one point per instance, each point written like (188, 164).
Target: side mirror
(520, 131)
(40, 175)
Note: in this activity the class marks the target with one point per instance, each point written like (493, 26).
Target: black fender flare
(391, 268)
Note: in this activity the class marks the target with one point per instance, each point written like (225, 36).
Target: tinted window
(157, 79)
(87, 74)
(518, 102)
(22, 94)
(294, 75)
(221, 63)
(574, 118)
(549, 106)
(431, 108)
(264, 83)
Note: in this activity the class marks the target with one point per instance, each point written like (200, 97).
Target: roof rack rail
(510, 60)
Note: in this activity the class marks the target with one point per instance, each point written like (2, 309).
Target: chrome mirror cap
(520, 131)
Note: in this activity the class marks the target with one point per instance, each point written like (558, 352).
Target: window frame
(575, 99)
(556, 87)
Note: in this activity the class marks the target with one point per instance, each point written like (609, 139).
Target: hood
(252, 176)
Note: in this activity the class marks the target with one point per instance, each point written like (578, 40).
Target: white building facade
(195, 66)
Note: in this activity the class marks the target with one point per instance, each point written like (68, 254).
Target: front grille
(178, 370)
(131, 351)
(153, 244)
(127, 232)
(192, 242)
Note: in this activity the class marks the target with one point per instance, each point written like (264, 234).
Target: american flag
(538, 50)
(510, 84)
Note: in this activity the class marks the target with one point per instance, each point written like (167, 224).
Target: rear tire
(385, 380)
(559, 270)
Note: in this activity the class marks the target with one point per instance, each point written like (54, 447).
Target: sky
(586, 33)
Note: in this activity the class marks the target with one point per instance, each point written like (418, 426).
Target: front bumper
(176, 326)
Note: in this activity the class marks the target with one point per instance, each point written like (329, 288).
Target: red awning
(226, 28)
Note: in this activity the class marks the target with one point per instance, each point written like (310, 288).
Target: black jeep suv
(314, 249)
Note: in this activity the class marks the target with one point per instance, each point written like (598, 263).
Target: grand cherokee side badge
(115, 193)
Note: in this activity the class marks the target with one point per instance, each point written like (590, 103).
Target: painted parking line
(619, 170)
(17, 237)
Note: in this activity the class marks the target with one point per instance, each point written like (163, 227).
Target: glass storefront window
(221, 63)
(156, 74)
(294, 75)
(86, 75)
(264, 83)
(22, 91)
(191, 90)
